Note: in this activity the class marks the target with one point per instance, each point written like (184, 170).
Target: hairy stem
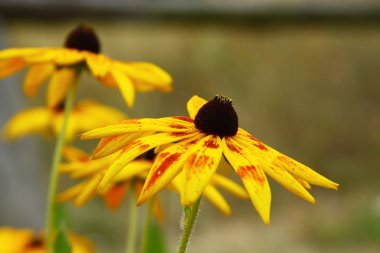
(190, 216)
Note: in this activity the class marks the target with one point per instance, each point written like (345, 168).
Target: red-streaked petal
(112, 144)
(275, 171)
(166, 166)
(10, 66)
(252, 175)
(194, 104)
(137, 125)
(217, 199)
(115, 195)
(295, 168)
(59, 85)
(36, 75)
(136, 148)
(200, 167)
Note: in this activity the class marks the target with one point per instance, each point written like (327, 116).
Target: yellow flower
(201, 140)
(81, 50)
(80, 166)
(86, 115)
(14, 240)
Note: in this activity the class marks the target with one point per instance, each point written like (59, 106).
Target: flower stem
(132, 222)
(190, 216)
(148, 219)
(54, 173)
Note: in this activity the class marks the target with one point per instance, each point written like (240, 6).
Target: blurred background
(304, 77)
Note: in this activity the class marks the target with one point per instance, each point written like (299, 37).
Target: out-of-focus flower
(81, 51)
(80, 166)
(14, 240)
(200, 141)
(86, 115)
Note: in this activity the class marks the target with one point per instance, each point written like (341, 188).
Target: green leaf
(156, 242)
(62, 243)
(59, 215)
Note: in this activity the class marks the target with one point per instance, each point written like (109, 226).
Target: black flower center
(218, 117)
(148, 155)
(35, 243)
(83, 38)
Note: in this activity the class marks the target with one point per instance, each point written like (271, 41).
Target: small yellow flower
(80, 166)
(81, 50)
(14, 240)
(86, 115)
(201, 140)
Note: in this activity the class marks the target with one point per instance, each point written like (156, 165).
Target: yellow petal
(108, 80)
(98, 64)
(43, 55)
(88, 191)
(86, 168)
(229, 185)
(15, 240)
(166, 166)
(73, 154)
(146, 76)
(125, 85)
(10, 66)
(110, 145)
(200, 167)
(295, 168)
(36, 76)
(18, 52)
(65, 56)
(133, 169)
(71, 193)
(138, 125)
(30, 121)
(215, 198)
(136, 148)
(194, 104)
(252, 175)
(59, 85)
(275, 171)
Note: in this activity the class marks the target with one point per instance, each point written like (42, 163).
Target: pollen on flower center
(218, 117)
(83, 38)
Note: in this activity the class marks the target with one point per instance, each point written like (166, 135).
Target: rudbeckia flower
(14, 240)
(79, 166)
(200, 141)
(81, 51)
(86, 115)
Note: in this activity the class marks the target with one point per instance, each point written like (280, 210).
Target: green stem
(148, 219)
(190, 216)
(132, 222)
(54, 173)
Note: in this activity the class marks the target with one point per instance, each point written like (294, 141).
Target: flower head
(86, 115)
(14, 240)
(80, 166)
(199, 142)
(81, 50)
